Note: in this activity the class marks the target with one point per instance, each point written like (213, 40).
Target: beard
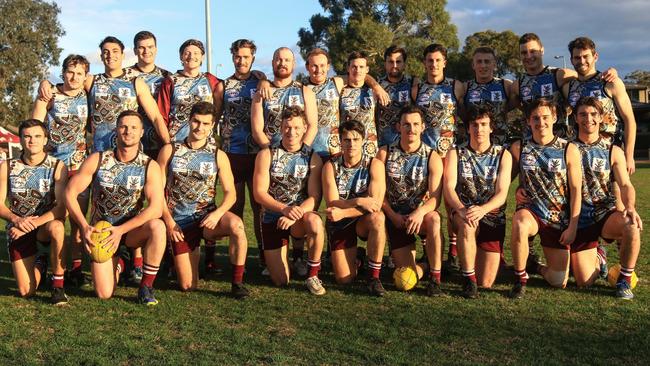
(282, 73)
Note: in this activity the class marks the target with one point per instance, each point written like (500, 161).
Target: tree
(506, 45)
(29, 31)
(641, 77)
(373, 25)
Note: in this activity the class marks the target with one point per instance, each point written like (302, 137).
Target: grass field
(290, 326)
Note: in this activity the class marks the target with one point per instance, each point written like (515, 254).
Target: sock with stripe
(375, 268)
(237, 273)
(453, 249)
(314, 268)
(625, 275)
(435, 275)
(149, 273)
(522, 276)
(470, 274)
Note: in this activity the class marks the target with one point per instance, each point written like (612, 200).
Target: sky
(619, 28)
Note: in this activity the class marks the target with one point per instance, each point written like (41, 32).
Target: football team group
(383, 153)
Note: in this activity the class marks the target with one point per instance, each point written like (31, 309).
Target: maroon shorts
(274, 238)
(192, 236)
(26, 246)
(342, 235)
(243, 166)
(490, 238)
(587, 237)
(398, 238)
(549, 236)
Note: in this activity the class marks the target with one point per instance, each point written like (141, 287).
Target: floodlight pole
(563, 60)
(208, 37)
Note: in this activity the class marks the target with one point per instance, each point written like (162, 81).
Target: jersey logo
(204, 90)
(445, 98)
(403, 96)
(475, 96)
(342, 188)
(525, 92)
(102, 89)
(294, 100)
(393, 169)
(418, 173)
(124, 92)
(300, 170)
(133, 182)
(490, 172)
(528, 161)
(82, 110)
(252, 92)
(546, 90)
(106, 178)
(466, 170)
(330, 94)
(596, 94)
(362, 185)
(277, 169)
(496, 96)
(206, 168)
(18, 184)
(44, 185)
(598, 165)
(555, 165)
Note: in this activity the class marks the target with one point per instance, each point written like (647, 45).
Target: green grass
(289, 326)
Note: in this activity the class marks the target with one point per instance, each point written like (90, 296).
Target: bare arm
(42, 106)
(311, 111)
(628, 193)
(229, 194)
(313, 184)
(450, 180)
(257, 122)
(574, 173)
(150, 107)
(515, 151)
(217, 100)
(58, 212)
(624, 107)
(261, 182)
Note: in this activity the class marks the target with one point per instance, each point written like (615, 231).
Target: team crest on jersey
(546, 90)
(102, 89)
(106, 178)
(206, 168)
(44, 185)
(204, 91)
(330, 94)
(342, 188)
(232, 93)
(528, 161)
(466, 170)
(180, 165)
(573, 98)
(596, 94)
(60, 108)
(445, 98)
(134, 182)
(124, 92)
(490, 172)
(362, 185)
(294, 100)
(18, 184)
(496, 96)
(598, 165)
(526, 91)
(82, 110)
(554, 165)
(403, 96)
(277, 169)
(418, 173)
(393, 169)
(300, 170)
(252, 92)
(474, 96)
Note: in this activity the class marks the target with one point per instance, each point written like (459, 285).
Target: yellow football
(612, 276)
(405, 278)
(98, 252)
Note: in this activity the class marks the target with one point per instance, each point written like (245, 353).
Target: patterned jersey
(477, 179)
(611, 126)
(327, 141)
(108, 98)
(543, 175)
(543, 85)
(493, 94)
(351, 183)
(388, 116)
(597, 178)
(66, 123)
(438, 104)
(153, 79)
(31, 188)
(118, 188)
(289, 174)
(286, 96)
(359, 104)
(191, 183)
(178, 94)
(236, 135)
(407, 174)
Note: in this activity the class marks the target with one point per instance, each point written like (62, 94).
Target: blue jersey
(543, 85)
(289, 175)
(66, 123)
(493, 94)
(359, 104)
(388, 116)
(327, 141)
(543, 176)
(236, 135)
(108, 97)
(281, 98)
(438, 104)
(191, 183)
(598, 198)
(351, 183)
(407, 177)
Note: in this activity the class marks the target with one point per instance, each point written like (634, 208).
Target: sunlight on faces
(531, 54)
(33, 140)
(192, 57)
(484, 65)
(129, 131)
(410, 127)
(395, 65)
(293, 129)
(357, 70)
(243, 60)
(74, 76)
(588, 119)
(480, 129)
(318, 68)
(435, 63)
(112, 56)
(201, 126)
(541, 121)
(283, 63)
(146, 51)
(351, 143)
(583, 60)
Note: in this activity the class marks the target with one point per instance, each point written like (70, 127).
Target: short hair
(29, 123)
(538, 103)
(128, 113)
(476, 111)
(434, 47)
(191, 42)
(243, 43)
(141, 36)
(293, 111)
(352, 125)
(485, 49)
(73, 60)
(411, 109)
(590, 102)
(529, 37)
(355, 55)
(582, 43)
(111, 39)
(394, 49)
(275, 53)
(316, 52)
(203, 108)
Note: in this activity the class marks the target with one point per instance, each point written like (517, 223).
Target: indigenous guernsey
(236, 135)
(359, 104)
(66, 123)
(477, 180)
(150, 140)
(191, 183)
(438, 104)
(31, 188)
(281, 98)
(289, 174)
(108, 98)
(611, 126)
(543, 85)
(388, 116)
(351, 183)
(597, 178)
(118, 187)
(327, 141)
(178, 94)
(493, 94)
(543, 175)
(407, 174)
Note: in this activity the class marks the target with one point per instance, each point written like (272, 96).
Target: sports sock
(76, 264)
(522, 276)
(57, 280)
(137, 261)
(120, 265)
(601, 254)
(237, 273)
(210, 249)
(435, 275)
(453, 249)
(625, 275)
(471, 274)
(314, 268)
(149, 275)
(375, 268)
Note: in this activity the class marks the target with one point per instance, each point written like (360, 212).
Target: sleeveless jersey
(178, 94)
(66, 123)
(493, 94)
(438, 104)
(153, 79)
(543, 175)
(236, 135)
(327, 141)
(287, 96)
(407, 175)
(543, 85)
(611, 126)
(477, 179)
(359, 104)
(289, 174)
(388, 116)
(31, 188)
(597, 178)
(191, 183)
(351, 183)
(118, 188)
(108, 98)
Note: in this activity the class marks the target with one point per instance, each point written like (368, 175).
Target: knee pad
(556, 278)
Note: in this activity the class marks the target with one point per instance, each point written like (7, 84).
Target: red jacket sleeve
(165, 98)
(213, 80)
